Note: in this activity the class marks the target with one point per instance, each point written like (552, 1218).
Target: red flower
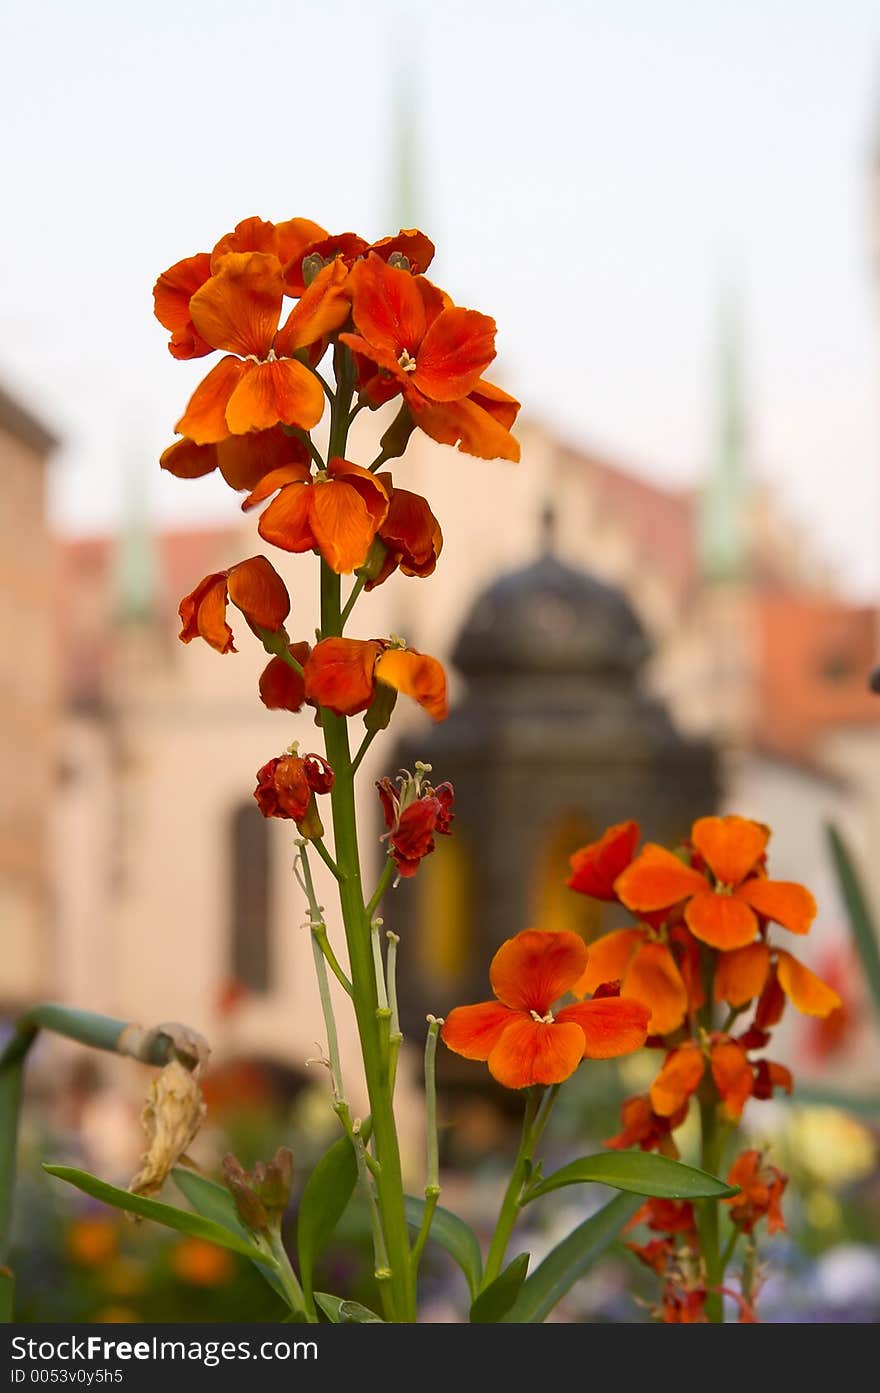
(243, 460)
(344, 674)
(409, 533)
(761, 1190)
(743, 973)
(282, 688)
(413, 813)
(595, 868)
(647, 1129)
(286, 784)
(646, 970)
(254, 586)
(335, 512)
(520, 1036)
(683, 1071)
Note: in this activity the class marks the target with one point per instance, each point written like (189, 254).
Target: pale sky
(595, 175)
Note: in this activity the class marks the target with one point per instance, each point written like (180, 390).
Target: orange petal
(371, 488)
(238, 308)
(186, 460)
(324, 307)
(244, 460)
(342, 527)
(500, 405)
(281, 687)
(256, 588)
(386, 306)
(456, 350)
(731, 846)
(171, 295)
(607, 960)
(657, 880)
(204, 420)
(529, 1052)
(474, 1031)
(203, 614)
(416, 675)
(410, 533)
(409, 242)
(740, 975)
(250, 235)
(283, 392)
(339, 674)
(273, 481)
(294, 235)
(679, 1077)
(287, 522)
(595, 868)
(722, 921)
(653, 978)
(611, 1025)
(463, 423)
(733, 1076)
(807, 991)
(536, 967)
(783, 901)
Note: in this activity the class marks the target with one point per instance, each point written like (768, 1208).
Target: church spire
(722, 516)
(136, 565)
(403, 185)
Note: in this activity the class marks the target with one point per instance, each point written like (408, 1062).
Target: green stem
(325, 856)
(293, 1292)
(351, 601)
(708, 1212)
(385, 880)
(362, 749)
(538, 1108)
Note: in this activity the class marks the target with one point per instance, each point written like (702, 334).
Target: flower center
(406, 362)
(542, 1020)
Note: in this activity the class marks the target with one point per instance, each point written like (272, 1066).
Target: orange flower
(596, 867)
(646, 971)
(410, 250)
(761, 1190)
(683, 1070)
(259, 383)
(253, 586)
(243, 460)
(286, 784)
(723, 905)
(647, 1129)
(519, 1035)
(93, 1240)
(743, 973)
(202, 1264)
(345, 675)
(335, 512)
(413, 813)
(479, 424)
(281, 687)
(434, 350)
(409, 533)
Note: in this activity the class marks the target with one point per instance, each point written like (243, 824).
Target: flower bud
(396, 437)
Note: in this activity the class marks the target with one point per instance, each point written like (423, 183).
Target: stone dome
(550, 618)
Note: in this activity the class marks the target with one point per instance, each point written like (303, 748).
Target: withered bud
(396, 437)
(378, 715)
(310, 827)
(261, 1195)
(172, 1114)
(278, 1182)
(238, 1183)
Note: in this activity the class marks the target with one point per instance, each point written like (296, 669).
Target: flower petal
(409, 242)
(611, 1025)
(740, 975)
(733, 1076)
(474, 1031)
(186, 460)
(250, 235)
(783, 901)
(417, 675)
(203, 614)
(456, 350)
(653, 978)
(500, 405)
(171, 296)
(287, 522)
(282, 392)
(722, 921)
(607, 959)
(324, 307)
(238, 308)
(386, 306)
(679, 1077)
(802, 987)
(370, 487)
(255, 587)
(731, 846)
(595, 868)
(342, 527)
(536, 967)
(657, 880)
(530, 1052)
(464, 423)
(204, 420)
(281, 687)
(244, 460)
(410, 533)
(339, 674)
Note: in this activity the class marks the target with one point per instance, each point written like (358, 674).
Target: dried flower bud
(261, 1195)
(172, 1114)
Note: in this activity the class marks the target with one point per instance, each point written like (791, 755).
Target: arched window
(250, 899)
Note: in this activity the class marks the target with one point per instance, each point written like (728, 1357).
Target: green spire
(404, 202)
(722, 515)
(136, 563)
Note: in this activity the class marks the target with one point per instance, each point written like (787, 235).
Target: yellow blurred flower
(829, 1145)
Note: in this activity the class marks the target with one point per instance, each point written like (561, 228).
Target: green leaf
(639, 1172)
(214, 1201)
(454, 1235)
(496, 1299)
(569, 1260)
(341, 1312)
(324, 1199)
(861, 920)
(7, 1295)
(179, 1219)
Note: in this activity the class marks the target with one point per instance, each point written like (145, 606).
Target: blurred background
(669, 606)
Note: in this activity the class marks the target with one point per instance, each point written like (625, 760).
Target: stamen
(542, 1020)
(406, 362)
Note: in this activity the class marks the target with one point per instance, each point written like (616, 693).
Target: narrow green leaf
(180, 1219)
(7, 1296)
(214, 1201)
(324, 1199)
(569, 1260)
(496, 1299)
(861, 921)
(341, 1312)
(454, 1235)
(640, 1173)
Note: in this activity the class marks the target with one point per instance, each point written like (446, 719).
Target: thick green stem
(711, 1159)
(539, 1103)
